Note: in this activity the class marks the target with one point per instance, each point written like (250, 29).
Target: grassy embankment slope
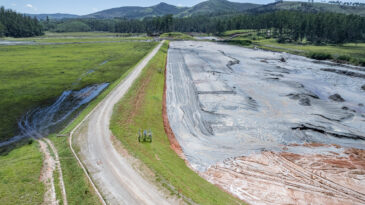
(59, 65)
(142, 108)
(353, 53)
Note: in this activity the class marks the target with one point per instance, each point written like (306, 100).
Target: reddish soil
(287, 178)
(174, 144)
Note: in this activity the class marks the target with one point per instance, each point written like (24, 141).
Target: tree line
(284, 25)
(13, 24)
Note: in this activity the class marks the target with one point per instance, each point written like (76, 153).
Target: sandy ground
(49, 166)
(59, 170)
(51, 163)
(243, 118)
(113, 174)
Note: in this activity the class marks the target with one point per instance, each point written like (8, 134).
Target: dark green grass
(19, 176)
(177, 36)
(31, 76)
(142, 108)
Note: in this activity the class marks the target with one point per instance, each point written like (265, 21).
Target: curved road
(116, 179)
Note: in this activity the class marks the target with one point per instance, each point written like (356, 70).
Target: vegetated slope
(217, 6)
(134, 12)
(207, 7)
(57, 16)
(311, 7)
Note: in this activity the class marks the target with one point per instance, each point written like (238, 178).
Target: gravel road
(113, 174)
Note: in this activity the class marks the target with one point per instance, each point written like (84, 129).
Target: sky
(82, 7)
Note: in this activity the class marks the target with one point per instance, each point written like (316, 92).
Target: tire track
(316, 179)
(59, 169)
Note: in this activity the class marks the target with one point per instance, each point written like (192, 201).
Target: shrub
(239, 42)
(319, 56)
(344, 58)
(362, 62)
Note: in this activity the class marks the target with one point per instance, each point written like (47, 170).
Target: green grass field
(142, 108)
(19, 176)
(36, 74)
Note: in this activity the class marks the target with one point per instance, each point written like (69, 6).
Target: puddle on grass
(42, 121)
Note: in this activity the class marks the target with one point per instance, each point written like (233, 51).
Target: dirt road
(117, 180)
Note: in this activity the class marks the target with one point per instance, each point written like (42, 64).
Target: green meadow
(19, 176)
(35, 75)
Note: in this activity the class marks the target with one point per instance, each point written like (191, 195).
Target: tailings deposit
(269, 127)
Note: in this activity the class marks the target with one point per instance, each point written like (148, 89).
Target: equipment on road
(146, 136)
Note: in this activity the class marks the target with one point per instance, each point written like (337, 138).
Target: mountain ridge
(208, 7)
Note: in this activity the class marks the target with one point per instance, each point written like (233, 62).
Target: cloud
(13, 4)
(95, 9)
(31, 7)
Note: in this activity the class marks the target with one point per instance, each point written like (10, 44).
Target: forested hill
(209, 7)
(18, 25)
(136, 12)
(217, 6)
(206, 7)
(310, 7)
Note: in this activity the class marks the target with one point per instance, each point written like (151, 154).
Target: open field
(19, 176)
(35, 75)
(142, 108)
(251, 121)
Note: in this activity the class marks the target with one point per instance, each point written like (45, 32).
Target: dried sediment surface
(287, 178)
(229, 106)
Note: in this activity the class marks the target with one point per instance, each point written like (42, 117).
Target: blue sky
(90, 6)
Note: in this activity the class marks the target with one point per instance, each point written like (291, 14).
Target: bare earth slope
(115, 177)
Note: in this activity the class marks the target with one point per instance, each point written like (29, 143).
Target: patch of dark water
(42, 121)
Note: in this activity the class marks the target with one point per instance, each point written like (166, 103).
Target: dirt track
(113, 174)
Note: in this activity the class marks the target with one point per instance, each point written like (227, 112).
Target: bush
(362, 62)
(320, 56)
(343, 58)
(239, 42)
